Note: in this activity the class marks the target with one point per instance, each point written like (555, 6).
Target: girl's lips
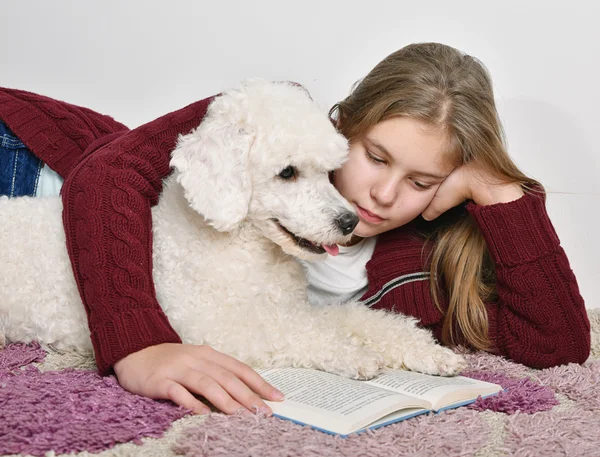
(368, 216)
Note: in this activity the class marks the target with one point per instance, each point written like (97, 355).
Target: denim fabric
(19, 168)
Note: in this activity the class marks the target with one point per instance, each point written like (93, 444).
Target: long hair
(452, 91)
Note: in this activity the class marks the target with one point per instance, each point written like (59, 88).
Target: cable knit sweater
(114, 175)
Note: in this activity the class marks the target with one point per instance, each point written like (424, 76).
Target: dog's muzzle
(303, 243)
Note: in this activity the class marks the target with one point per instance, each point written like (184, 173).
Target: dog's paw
(358, 363)
(436, 360)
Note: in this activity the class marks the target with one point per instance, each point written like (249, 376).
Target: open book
(341, 406)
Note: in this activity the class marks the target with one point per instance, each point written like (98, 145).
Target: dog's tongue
(332, 249)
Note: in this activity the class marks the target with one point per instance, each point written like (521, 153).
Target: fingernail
(203, 411)
(265, 410)
(277, 395)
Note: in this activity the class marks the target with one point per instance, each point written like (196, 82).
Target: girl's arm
(113, 177)
(540, 318)
(109, 187)
(108, 221)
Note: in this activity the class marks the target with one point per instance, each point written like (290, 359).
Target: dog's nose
(346, 222)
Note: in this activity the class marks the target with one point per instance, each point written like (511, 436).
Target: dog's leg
(396, 337)
(339, 356)
(350, 340)
(303, 339)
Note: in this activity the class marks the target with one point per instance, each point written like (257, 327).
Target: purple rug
(527, 419)
(70, 410)
(225, 436)
(553, 412)
(522, 395)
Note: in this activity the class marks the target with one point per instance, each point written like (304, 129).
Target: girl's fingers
(240, 391)
(245, 373)
(178, 372)
(452, 192)
(206, 385)
(180, 396)
(441, 203)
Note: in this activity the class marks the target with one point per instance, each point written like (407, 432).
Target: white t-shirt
(340, 278)
(49, 183)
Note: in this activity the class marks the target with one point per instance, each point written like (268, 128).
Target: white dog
(249, 192)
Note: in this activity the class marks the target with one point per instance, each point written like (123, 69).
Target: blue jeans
(19, 168)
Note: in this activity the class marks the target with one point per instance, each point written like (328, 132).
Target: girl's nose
(385, 193)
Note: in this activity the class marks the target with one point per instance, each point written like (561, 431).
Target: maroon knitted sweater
(114, 175)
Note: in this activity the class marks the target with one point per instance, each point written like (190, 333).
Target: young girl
(424, 139)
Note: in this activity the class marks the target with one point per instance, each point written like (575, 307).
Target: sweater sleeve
(58, 133)
(540, 318)
(107, 217)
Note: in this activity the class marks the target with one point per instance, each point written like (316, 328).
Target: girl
(425, 140)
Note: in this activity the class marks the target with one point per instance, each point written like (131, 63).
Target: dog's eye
(288, 173)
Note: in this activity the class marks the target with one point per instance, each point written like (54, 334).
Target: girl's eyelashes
(372, 157)
(422, 186)
(375, 159)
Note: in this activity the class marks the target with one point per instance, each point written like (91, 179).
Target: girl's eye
(373, 158)
(422, 186)
(288, 173)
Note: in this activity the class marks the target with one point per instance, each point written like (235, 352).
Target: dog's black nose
(346, 222)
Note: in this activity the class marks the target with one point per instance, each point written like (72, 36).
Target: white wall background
(139, 59)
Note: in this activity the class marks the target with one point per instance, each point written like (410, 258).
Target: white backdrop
(139, 59)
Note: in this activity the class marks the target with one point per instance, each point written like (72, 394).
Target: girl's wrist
(497, 193)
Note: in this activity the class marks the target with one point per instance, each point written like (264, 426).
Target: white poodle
(248, 194)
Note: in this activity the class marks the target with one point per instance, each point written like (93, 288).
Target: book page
(332, 402)
(439, 391)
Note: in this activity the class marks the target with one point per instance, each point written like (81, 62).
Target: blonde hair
(452, 91)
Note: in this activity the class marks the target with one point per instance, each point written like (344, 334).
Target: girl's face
(393, 173)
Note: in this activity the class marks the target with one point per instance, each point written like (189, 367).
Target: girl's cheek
(413, 203)
(413, 208)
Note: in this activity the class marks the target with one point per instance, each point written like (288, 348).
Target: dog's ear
(211, 164)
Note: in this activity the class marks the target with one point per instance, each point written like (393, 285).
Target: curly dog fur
(227, 231)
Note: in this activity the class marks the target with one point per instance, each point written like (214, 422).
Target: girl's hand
(177, 371)
(470, 182)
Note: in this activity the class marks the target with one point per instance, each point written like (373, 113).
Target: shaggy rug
(54, 404)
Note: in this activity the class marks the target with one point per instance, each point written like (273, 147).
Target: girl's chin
(365, 231)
